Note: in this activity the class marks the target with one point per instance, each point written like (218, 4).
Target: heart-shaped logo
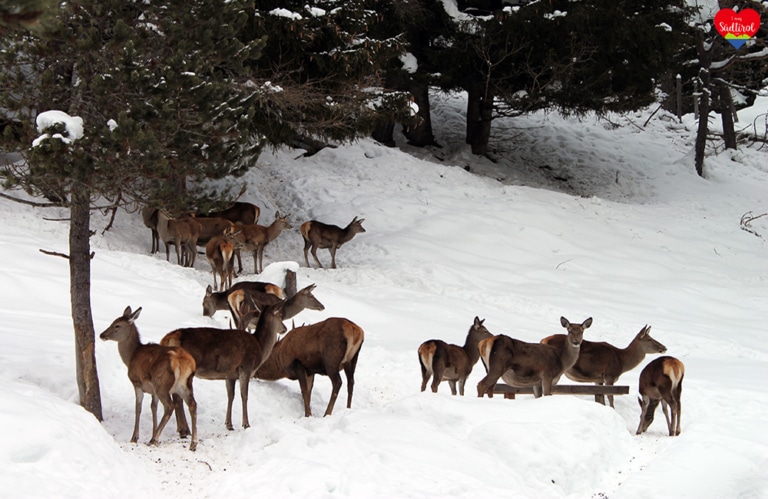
(737, 27)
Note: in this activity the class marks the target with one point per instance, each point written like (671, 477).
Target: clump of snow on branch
(73, 126)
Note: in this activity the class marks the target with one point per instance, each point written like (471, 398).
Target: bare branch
(31, 203)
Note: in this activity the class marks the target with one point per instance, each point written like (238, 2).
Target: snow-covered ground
(576, 219)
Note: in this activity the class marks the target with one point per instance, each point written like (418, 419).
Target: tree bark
(479, 117)
(80, 296)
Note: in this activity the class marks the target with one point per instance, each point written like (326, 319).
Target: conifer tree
(167, 101)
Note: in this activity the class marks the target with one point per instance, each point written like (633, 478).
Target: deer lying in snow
(230, 354)
(323, 236)
(165, 372)
(602, 363)
(661, 381)
(451, 363)
(520, 363)
(323, 348)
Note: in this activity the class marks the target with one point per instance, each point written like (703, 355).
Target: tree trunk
(701, 133)
(80, 296)
(479, 117)
(384, 134)
(421, 135)
(726, 114)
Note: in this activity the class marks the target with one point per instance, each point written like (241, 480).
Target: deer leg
(437, 373)
(305, 383)
(664, 405)
(230, 397)
(425, 374)
(244, 397)
(167, 411)
(181, 420)
(153, 405)
(255, 261)
(333, 256)
(189, 398)
(336, 383)
(537, 391)
(155, 242)
(648, 406)
(139, 400)
(349, 371)
(314, 255)
(462, 381)
(239, 262)
(452, 384)
(307, 244)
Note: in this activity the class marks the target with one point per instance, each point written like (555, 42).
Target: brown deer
(244, 213)
(661, 381)
(302, 300)
(256, 237)
(602, 363)
(323, 348)
(212, 227)
(230, 354)
(149, 217)
(220, 251)
(183, 233)
(220, 300)
(451, 363)
(520, 363)
(323, 236)
(164, 372)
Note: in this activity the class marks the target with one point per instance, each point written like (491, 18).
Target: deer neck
(127, 348)
(569, 353)
(470, 347)
(273, 231)
(631, 356)
(292, 307)
(271, 369)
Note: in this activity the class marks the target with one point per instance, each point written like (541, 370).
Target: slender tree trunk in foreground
(80, 295)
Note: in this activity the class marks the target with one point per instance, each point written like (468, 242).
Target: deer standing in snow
(661, 381)
(324, 236)
(256, 237)
(602, 363)
(520, 363)
(447, 362)
(230, 354)
(164, 372)
(323, 348)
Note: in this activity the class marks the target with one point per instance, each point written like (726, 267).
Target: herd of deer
(224, 234)
(252, 348)
(540, 365)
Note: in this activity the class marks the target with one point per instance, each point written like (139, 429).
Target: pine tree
(167, 101)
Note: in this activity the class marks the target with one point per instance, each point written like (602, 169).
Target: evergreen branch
(31, 203)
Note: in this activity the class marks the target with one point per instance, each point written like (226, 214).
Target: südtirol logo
(737, 27)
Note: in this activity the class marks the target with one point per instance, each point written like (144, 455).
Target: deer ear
(133, 316)
(127, 312)
(587, 323)
(208, 290)
(564, 322)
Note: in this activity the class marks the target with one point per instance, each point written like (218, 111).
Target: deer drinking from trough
(318, 235)
(602, 363)
(230, 354)
(165, 372)
(520, 363)
(447, 362)
(323, 348)
(256, 237)
(661, 381)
